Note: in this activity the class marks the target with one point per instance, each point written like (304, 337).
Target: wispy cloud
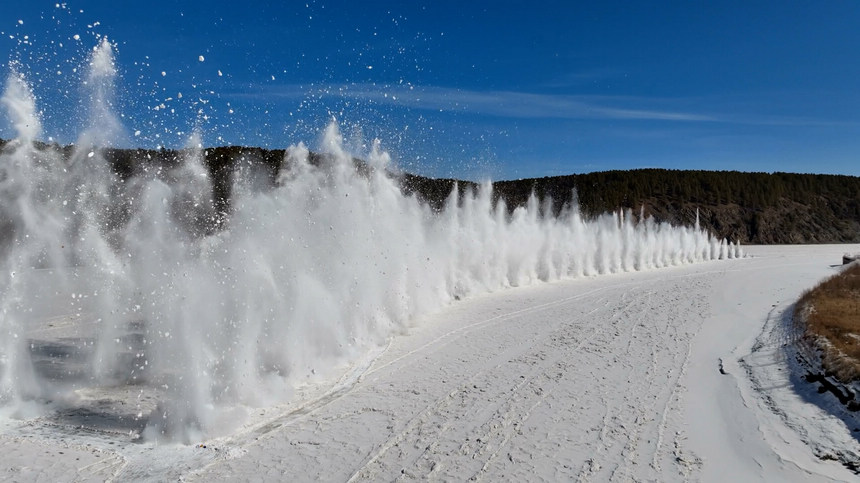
(525, 105)
(517, 104)
(506, 104)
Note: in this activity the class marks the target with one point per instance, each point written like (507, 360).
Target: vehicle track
(527, 393)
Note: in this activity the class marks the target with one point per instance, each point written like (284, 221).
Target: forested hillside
(747, 207)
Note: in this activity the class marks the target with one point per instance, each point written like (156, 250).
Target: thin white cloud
(491, 103)
(512, 104)
(524, 105)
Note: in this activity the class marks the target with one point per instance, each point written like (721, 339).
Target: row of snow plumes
(301, 277)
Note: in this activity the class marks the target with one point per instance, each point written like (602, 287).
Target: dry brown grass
(832, 314)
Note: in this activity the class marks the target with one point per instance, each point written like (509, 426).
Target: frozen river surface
(658, 375)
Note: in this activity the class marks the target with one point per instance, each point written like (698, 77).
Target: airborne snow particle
(76, 37)
(163, 73)
(201, 58)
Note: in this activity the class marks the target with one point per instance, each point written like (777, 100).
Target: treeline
(747, 207)
(602, 190)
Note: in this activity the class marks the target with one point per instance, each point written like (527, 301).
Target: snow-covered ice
(615, 377)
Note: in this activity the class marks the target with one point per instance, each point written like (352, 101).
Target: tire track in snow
(556, 386)
(416, 424)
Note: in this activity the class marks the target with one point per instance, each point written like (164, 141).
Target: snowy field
(614, 377)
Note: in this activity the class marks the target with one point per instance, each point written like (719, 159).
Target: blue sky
(475, 90)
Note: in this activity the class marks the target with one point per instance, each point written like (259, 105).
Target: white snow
(615, 377)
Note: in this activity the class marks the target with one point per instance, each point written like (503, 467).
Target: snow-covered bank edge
(777, 367)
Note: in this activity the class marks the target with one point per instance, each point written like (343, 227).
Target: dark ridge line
(749, 207)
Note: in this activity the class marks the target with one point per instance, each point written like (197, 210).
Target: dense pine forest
(749, 207)
(760, 208)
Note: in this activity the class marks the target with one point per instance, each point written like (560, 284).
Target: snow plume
(104, 125)
(304, 275)
(24, 228)
(20, 105)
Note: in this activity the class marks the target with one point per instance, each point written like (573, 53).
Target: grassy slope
(832, 314)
